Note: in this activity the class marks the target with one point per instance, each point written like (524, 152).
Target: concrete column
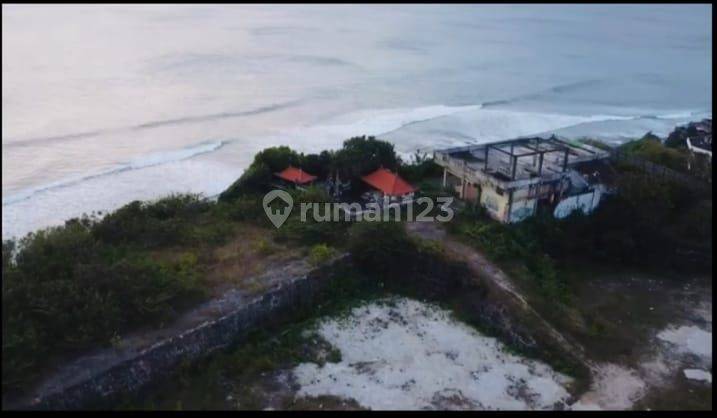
(445, 175)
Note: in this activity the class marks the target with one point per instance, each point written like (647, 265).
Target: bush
(497, 240)
(651, 149)
(62, 294)
(166, 221)
(380, 247)
(320, 254)
(264, 247)
(257, 177)
(422, 167)
(357, 157)
(312, 232)
(71, 287)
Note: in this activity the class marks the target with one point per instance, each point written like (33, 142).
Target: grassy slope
(82, 285)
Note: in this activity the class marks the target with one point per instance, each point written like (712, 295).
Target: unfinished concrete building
(512, 178)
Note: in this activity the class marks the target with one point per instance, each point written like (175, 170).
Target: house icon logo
(277, 216)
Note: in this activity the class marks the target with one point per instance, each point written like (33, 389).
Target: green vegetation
(386, 261)
(282, 344)
(71, 287)
(595, 143)
(320, 254)
(651, 233)
(649, 224)
(310, 232)
(81, 285)
(516, 248)
(651, 149)
(358, 156)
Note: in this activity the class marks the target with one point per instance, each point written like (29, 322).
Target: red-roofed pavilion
(389, 183)
(295, 175)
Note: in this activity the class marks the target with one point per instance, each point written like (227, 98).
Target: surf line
(150, 160)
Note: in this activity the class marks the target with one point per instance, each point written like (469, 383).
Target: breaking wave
(151, 125)
(149, 160)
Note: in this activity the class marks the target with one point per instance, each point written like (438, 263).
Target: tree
(361, 155)
(259, 174)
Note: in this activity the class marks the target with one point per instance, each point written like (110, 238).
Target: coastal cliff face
(96, 381)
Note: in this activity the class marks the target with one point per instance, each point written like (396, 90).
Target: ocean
(105, 104)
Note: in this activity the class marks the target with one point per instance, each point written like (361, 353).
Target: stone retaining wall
(161, 360)
(292, 294)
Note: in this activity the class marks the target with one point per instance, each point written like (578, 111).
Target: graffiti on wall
(586, 202)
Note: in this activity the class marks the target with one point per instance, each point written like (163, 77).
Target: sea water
(106, 104)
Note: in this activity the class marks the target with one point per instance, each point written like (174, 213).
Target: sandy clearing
(697, 374)
(404, 354)
(689, 340)
(614, 388)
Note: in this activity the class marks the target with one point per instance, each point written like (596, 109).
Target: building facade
(511, 179)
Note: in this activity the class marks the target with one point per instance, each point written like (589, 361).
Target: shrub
(320, 254)
(357, 157)
(69, 288)
(255, 179)
(264, 247)
(380, 247)
(652, 149)
(312, 232)
(420, 168)
(166, 221)
(259, 174)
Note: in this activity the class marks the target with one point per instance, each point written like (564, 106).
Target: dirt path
(487, 270)
(657, 369)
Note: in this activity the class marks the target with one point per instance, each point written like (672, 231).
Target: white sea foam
(174, 77)
(150, 160)
(51, 204)
(55, 205)
(409, 129)
(331, 133)
(478, 125)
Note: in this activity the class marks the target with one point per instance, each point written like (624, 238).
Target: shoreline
(177, 163)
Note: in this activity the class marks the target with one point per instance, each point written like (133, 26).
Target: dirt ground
(617, 319)
(638, 333)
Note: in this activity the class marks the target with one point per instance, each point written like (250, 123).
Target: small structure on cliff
(512, 178)
(388, 187)
(295, 176)
(696, 137)
(700, 141)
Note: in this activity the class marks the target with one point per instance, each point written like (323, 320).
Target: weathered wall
(522, 209)
(160, 360)
(586, 202)
(430, 278)
(495, 203)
